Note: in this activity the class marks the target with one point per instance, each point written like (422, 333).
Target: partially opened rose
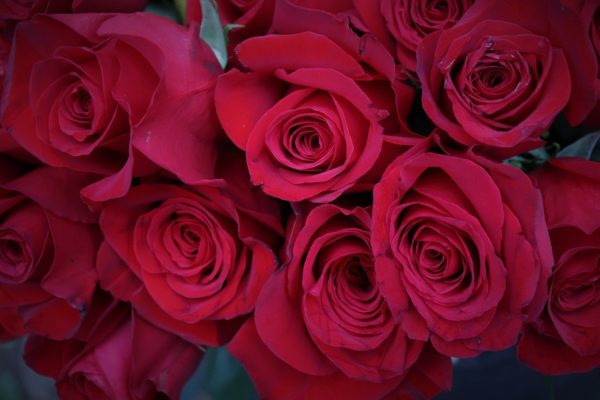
(446, 230)
(45, 286)
(323, 318)
(115, 355)
(191, 260)
(566, 337)
(99, 92)
(500, 76)
(308, 129)
(402, 24)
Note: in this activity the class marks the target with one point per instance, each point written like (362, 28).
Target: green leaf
(164, 8)
(180, 5)
(587, 147)
(212, 32)
(220, 376)
(531, 159)
(229, 27)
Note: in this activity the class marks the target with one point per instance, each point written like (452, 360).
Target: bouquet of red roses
(346, 193)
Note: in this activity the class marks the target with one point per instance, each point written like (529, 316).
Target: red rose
(501, 75)
(589, 11)
(445, 233)
(323, 319)
(116, 355)
(402, 24)
(191, 260)
(100, 92)
(306, 113)
(44, 284)
(566, 338)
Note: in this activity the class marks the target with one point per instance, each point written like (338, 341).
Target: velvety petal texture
(96, 92)
(500, 76)
(402, 25)
(191, 260)
(311, 109)
(566, 337)
(44, 284)
(322, 321)
(109, 357)
(445, 250)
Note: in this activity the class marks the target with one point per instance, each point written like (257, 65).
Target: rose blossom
(190, 259)
(115, 355)
(306, 113)
(321, 319)
(566, 337)
(44, 284)
(500, 76)
(100, 92)
(402, 24)
(589, 12)
(446, 230)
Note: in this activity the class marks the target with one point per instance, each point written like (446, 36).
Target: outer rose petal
(552, 356)
(236, 114)
(567, 181)
(289, 383)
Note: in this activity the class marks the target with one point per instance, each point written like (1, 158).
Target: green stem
(550, 387)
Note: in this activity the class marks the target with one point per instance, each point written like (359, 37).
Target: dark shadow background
(491, 376)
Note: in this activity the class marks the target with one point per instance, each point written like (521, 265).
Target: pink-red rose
(402, 24)
(500, 76)
(115, 355)
(99, 92)
(44, 284)
(446, 230)
(191, 260)
(566, 337)
(306, 112)
(324, 321)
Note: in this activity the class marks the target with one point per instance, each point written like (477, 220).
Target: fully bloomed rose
(308, 129)
(115, 95)
(190, 260)
(446, 234)
(566, 338)
(321, 326)
(500, 76)
(44, 284)
(402, 24)
(311, 105)
(115, 355)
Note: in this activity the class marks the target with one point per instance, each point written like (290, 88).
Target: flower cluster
(364, 190)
